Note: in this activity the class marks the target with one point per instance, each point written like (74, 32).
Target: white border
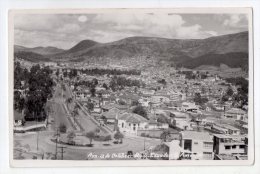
(4, 121)
(66, 163)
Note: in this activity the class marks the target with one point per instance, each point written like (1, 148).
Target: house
(153, 124)
(229, 144)
(109, 106)
(235, 113)
(111, 115)
(181, 120)
(188, 106)
(225, 129)
(130, 122)
(198, 145)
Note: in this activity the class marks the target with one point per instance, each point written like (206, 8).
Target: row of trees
(37, 89)
(118, 83)
(98, 71)
(118, 136)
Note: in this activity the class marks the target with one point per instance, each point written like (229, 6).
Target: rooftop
(132, 118)
(203, 136)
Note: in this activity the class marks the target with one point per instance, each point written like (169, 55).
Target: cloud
(69, 28)
(65, 30)
(160, 25)
(236, 20)
(82, 18)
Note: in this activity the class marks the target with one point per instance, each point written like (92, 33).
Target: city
(132, 106)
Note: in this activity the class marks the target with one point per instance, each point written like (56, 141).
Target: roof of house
(236, 111)
(111, 114)
(132, 118)
(203, 136)
(112, 105)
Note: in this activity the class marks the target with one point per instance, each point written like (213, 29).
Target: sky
(66, 30)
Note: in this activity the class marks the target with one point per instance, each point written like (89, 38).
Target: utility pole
(56, 143)
(62, 151)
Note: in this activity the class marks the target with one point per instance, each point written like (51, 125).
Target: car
(130, 154)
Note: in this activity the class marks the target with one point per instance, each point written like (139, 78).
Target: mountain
(38, 50)
(30, 56)
(183, 52)
(85, 44)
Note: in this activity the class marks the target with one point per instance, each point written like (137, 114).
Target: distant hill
(30, 56)
(231, 49)
(38, 50)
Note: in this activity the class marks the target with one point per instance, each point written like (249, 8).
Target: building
(187, 106)
(181, 120)
(111, 115)
(197, 145)
(130, 122)
(225, 129)
(229, 144)
(235, 113)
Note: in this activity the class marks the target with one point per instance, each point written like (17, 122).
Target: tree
(105, 86)
(163, 119)
(71, 135)
(93, 91)
(75, 113)
(165, 135)
(90, 135)
(135, 103)
(199, 100)
(229, 92)
(90, 106)
(97, 131)
(62, 128)
(140, 111)
(119, 136)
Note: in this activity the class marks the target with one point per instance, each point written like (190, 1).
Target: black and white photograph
(131, 84)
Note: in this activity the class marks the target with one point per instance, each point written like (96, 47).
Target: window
(208, 145)
(241, 146)
(227, 147)
(207, 155)
(195, 142)
(234, 147)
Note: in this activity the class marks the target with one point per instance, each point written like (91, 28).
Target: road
(135, 144)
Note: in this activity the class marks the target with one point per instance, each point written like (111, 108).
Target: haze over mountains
(231, 50)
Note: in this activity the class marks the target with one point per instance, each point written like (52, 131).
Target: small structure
(235, 113)
(198, 145)
(229, 144)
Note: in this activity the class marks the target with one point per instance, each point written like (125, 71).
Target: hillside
(30, 56)
(38, 50)
(233, 60)
(229, 49)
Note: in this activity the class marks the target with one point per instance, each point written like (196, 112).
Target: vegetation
(62, 128)
(118, 83)
(71, 135)
(165, 135)
(119, 136)
(98, 71)
(90, 135)
(232, 59)
(140, 110)
(199, 100)
(37, 86)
